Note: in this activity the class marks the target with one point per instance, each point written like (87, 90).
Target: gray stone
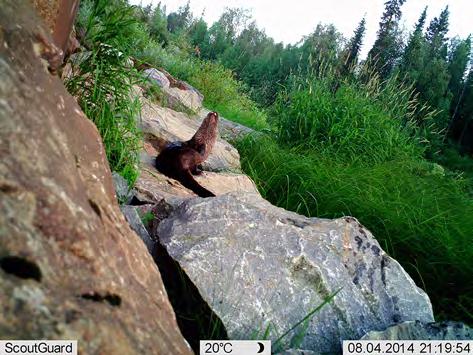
(122, 191)
(158, 77)
(134, 220)
(423, 331)
(258, 265)
(178, 93)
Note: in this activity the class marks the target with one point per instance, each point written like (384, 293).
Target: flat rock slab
(153, 186)
(258, 265)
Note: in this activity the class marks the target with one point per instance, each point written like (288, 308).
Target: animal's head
(212, 117)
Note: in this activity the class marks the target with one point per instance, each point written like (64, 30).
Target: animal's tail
(188, 181)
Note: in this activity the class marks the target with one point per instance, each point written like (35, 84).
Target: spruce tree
(458, 84)
(413, 58)
(385, 50)
(432, 82)
(465, 112)
(353, 49)
(180, 20)
(158, 24)
(457, 66)
(437, 32)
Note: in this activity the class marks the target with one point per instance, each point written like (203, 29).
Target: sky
(287, 21)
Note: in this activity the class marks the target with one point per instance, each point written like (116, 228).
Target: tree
(225, 31)
(459, 86)
(321, 49)
(158, 24)
(199, 36)
(180, 20)
(433, 81)
(353, 49)
(465, 113)
(412, 60)
(457, 66)
(437, 32)
(385, 50)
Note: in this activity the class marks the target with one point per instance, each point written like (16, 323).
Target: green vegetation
(103, 81)
(420, 217)
(221, 91)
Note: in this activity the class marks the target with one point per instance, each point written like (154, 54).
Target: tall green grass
(356, 151)
(358, 121)
(104, 77)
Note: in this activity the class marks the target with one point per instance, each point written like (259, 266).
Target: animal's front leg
(197, 170)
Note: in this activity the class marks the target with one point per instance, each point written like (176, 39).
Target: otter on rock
(179, 160)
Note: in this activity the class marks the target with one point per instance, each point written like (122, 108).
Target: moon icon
(261, 348)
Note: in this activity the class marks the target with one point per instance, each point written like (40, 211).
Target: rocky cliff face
(70, 266)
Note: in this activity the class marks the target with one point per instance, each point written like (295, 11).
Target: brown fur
(180, 160)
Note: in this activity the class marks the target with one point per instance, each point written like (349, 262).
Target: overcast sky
(287, 21)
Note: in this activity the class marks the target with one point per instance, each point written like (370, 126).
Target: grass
(298, 330)
(104, 79)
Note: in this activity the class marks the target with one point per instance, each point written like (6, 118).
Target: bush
(113, 23)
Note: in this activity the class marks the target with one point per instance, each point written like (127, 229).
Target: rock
(187, 98)
(258, 265)
(423, 331)
(59, 16)
(178, 93)
(182, 85)
(162, 126)
(158, 77)
(134, 220)
(122, 191)
(70, 266)
(152, 186)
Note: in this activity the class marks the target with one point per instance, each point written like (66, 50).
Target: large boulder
(70, 266)
(260, 266)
